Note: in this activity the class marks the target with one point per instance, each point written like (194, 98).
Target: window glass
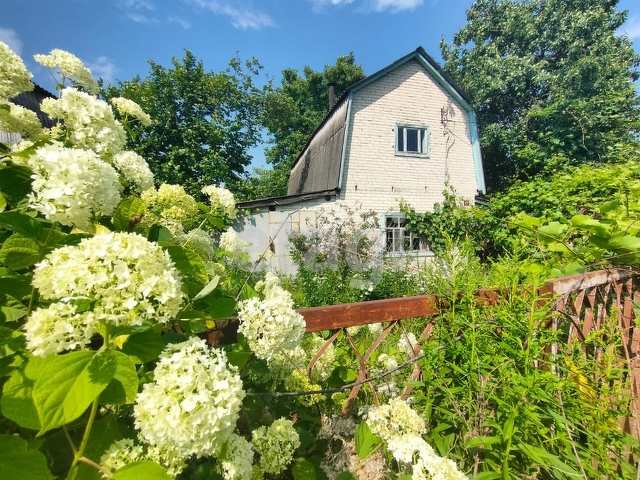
(412, 140)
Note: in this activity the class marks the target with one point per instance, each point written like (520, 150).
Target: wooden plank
(587, 280)
(374, 311)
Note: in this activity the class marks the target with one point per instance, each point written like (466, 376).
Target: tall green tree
(551, 81)
(293, 111)
(203, 123)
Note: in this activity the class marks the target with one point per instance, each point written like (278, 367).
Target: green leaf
(11, 309)
(589, 224)
(366, 442)
(482, 442)
(18, 462)
(223, 307)
(159, 233)
(303, 469)
(211, 286)
(68, 385)
(607, 207)
(11, 341)
(123, 387)
(17, 396)
(626, 243)
(487, 476)
(3, 202)
(19, 252)
(144, 347)
(21, 223)
(239, 359)
(144, 470)
(15, 182)
(552, 230)
(346, 476)
(123, 217)
(190, 265)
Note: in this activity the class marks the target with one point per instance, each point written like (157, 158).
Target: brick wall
(378, 178)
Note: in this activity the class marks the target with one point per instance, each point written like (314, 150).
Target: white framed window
(399, 240)
(412, 140)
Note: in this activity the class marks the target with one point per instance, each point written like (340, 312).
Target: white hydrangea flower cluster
(425, 463)
(401, 428)
(406, 344)
(88, 122)
(395, 418)
(20, 120)
(323, 368)
(170, 206)
(72, 186)
(70, 67)
(129, 279)
(270, 324)
(134, 171)
(14, 76)
(58, 328)
(236, 460)
(126, 451)
(199, 396)
(221, 199)
(276, 445)
(129, 107)
(238, 248)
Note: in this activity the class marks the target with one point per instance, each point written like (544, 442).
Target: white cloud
(137, 5)
(136, 10)
(10, 37)
(139, 18)
(393, 6)
(631, 28)
(241, 17)
(183, 23)
(104, 68)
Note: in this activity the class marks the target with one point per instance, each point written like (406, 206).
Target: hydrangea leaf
(191, 266)
(366, 442)
(303, 469)
(15, 182)
(144, 346)
(18, 462)
(143, 470)
(123, 387)
(68, 385)
(21, 223)
(126, 212)
(19, 251)
(17, 396)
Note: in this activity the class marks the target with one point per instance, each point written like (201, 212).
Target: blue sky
(115, 38)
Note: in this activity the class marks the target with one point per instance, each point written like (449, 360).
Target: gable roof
(318, 168)
(31, 100)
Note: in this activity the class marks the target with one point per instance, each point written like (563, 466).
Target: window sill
(413, 155)
(413, 254)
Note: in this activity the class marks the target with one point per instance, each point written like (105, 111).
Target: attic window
(412, 140)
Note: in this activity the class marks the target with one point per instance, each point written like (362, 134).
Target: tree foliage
(203, 123)
(546, 77)
(293, 111)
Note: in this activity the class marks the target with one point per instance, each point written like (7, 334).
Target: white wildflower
(134, 171)
(394, 418)
(270, 324)
(236, 460)
(276, 445)
(129, 279)
(129, 107)
(199, 396)
(14, 76)
(72, 186)
(221, 200)
(70, 67)
(88, 122)
(406, 343)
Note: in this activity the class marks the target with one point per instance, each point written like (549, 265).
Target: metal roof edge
(286, 199)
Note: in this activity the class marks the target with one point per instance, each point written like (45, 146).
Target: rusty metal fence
(579, 305)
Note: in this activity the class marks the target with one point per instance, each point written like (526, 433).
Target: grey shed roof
(317, 168)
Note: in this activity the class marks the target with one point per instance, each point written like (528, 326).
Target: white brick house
(395, 136)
